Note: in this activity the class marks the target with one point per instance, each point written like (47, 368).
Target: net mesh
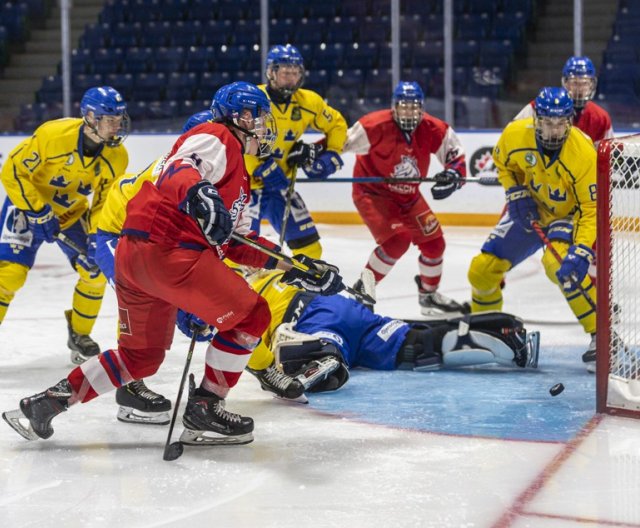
(624, 276)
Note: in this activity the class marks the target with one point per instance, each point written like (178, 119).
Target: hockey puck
(556, 389)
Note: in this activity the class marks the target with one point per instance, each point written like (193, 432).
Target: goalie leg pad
(464, 347)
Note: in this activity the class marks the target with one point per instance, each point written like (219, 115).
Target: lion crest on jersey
(407, 168)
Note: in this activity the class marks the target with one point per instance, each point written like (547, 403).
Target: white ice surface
(305, 468)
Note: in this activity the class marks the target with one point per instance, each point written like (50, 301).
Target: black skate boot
(280, 384)
(139, 404)
(437, 305)
(589, 357)
(39, 410)
(82, 346)
(207, 422)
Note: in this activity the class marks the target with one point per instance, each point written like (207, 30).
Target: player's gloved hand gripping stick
(300, 265)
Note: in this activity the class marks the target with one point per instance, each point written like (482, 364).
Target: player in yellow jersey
(548, 169)
(49, 178)
(138, 404)
(296, 110)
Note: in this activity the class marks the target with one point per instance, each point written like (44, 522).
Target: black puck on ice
(556, 389)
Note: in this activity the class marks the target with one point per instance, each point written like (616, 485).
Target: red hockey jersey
(383, 149)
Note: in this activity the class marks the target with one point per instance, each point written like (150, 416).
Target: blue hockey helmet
(197, 119)
(579, 79)
(554, 115)
(290, 60)
(233, 100)
(102, 101)
(407, 104)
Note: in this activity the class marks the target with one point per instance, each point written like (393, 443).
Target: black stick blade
(173, 451)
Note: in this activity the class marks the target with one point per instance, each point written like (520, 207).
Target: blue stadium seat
(50, 90)
(138, 60)
(380, 8)
(175, 10)
(246, 32)
(433, 27)
(209, 83)
(472, 26)
(290, 9)
(356, 8)
(81, 61)
(318, 81)
(324, 9)
(149, 87)
(167, 60)
(123, 82)
(15, 19)
(107, 60)
(252, 76)
(281, 29)
(311, 31)
(465, 52)
(231, 10)
(411, 28)
(364, 56)
(230, 58)
(216, 32)
(137, 110)
(377, 84)
(199, 58)
(155, 34)
(124, 35)
(164, 109)
(80, 83)
(351, 80)
(428, 54)
(94, 36)
(376, 29)
(420, 75)
(254, 60)
(342, 30)
(328, 57)
(185, 33)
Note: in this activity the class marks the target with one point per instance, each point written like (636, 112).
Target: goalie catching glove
(321, 278)
(204, 205)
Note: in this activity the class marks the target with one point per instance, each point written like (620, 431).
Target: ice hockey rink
(475, 448)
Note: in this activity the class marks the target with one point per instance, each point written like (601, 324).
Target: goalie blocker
(481, 339)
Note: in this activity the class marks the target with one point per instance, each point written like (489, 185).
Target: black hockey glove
(322, 278)
(448, 181)
(304, 154)
(203, 203)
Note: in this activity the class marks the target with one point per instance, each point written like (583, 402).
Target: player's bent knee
(97, 280)
(487, 271)
(142, 363)
(257, 320)
(397, 245)
(12, 278)
(433, 248)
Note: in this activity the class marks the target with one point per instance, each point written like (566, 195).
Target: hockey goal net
(618, 281)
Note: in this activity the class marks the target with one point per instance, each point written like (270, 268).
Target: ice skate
(139, 404)
(366, 284)
(435, 304)
(280, 384)
(207, 422)
(82, 346)
(38, 410)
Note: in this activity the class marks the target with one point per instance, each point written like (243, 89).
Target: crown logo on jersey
(84, 190)
(58, 181)
(277, 153)
(535, 187)
(289, 136)
(556, 196)
(63, 200)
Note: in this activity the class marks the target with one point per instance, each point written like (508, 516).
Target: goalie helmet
(407, 105)
(103, 102)
(553, 117)
(232, 100)
(197, 119)
(285, 71)
(579, 79)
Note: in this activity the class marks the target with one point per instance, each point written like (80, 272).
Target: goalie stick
(363, 297)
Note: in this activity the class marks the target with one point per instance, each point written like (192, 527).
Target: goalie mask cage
(618, 280)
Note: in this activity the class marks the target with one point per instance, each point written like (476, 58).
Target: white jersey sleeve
(357, 140)
(527, 111)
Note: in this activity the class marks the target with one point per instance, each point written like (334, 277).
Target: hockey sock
(12, 278)
(87, 300)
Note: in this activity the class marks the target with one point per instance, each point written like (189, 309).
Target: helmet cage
(407, 113)
(581, 88)
(552, 132)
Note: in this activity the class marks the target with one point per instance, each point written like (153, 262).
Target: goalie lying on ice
(317, 340)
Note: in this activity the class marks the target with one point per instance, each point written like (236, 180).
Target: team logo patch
(123, 322)
(531, 159)
(389, 329)
(407, 168)
(428, 223)
(481, 162)
(295, 114)
(329, 336)
(15, 230)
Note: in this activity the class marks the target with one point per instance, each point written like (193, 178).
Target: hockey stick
(296, 264)
(490, 181)
(173, 451)
(82, 255)
(556, 255)
(287, 206)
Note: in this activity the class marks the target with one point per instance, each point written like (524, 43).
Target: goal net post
(618, 277)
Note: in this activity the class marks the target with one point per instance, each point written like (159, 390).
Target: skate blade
(209, 438)
(13, 419)
(434, 313)
(300, 399)
(533, 348)
(131, 415)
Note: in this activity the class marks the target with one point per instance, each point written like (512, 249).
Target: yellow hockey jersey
(562, 186)
(49, 168)
(306, 110)
(124, 188)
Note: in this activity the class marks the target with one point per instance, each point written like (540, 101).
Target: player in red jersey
(579, 79)
(170, 256)
(397, 144)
